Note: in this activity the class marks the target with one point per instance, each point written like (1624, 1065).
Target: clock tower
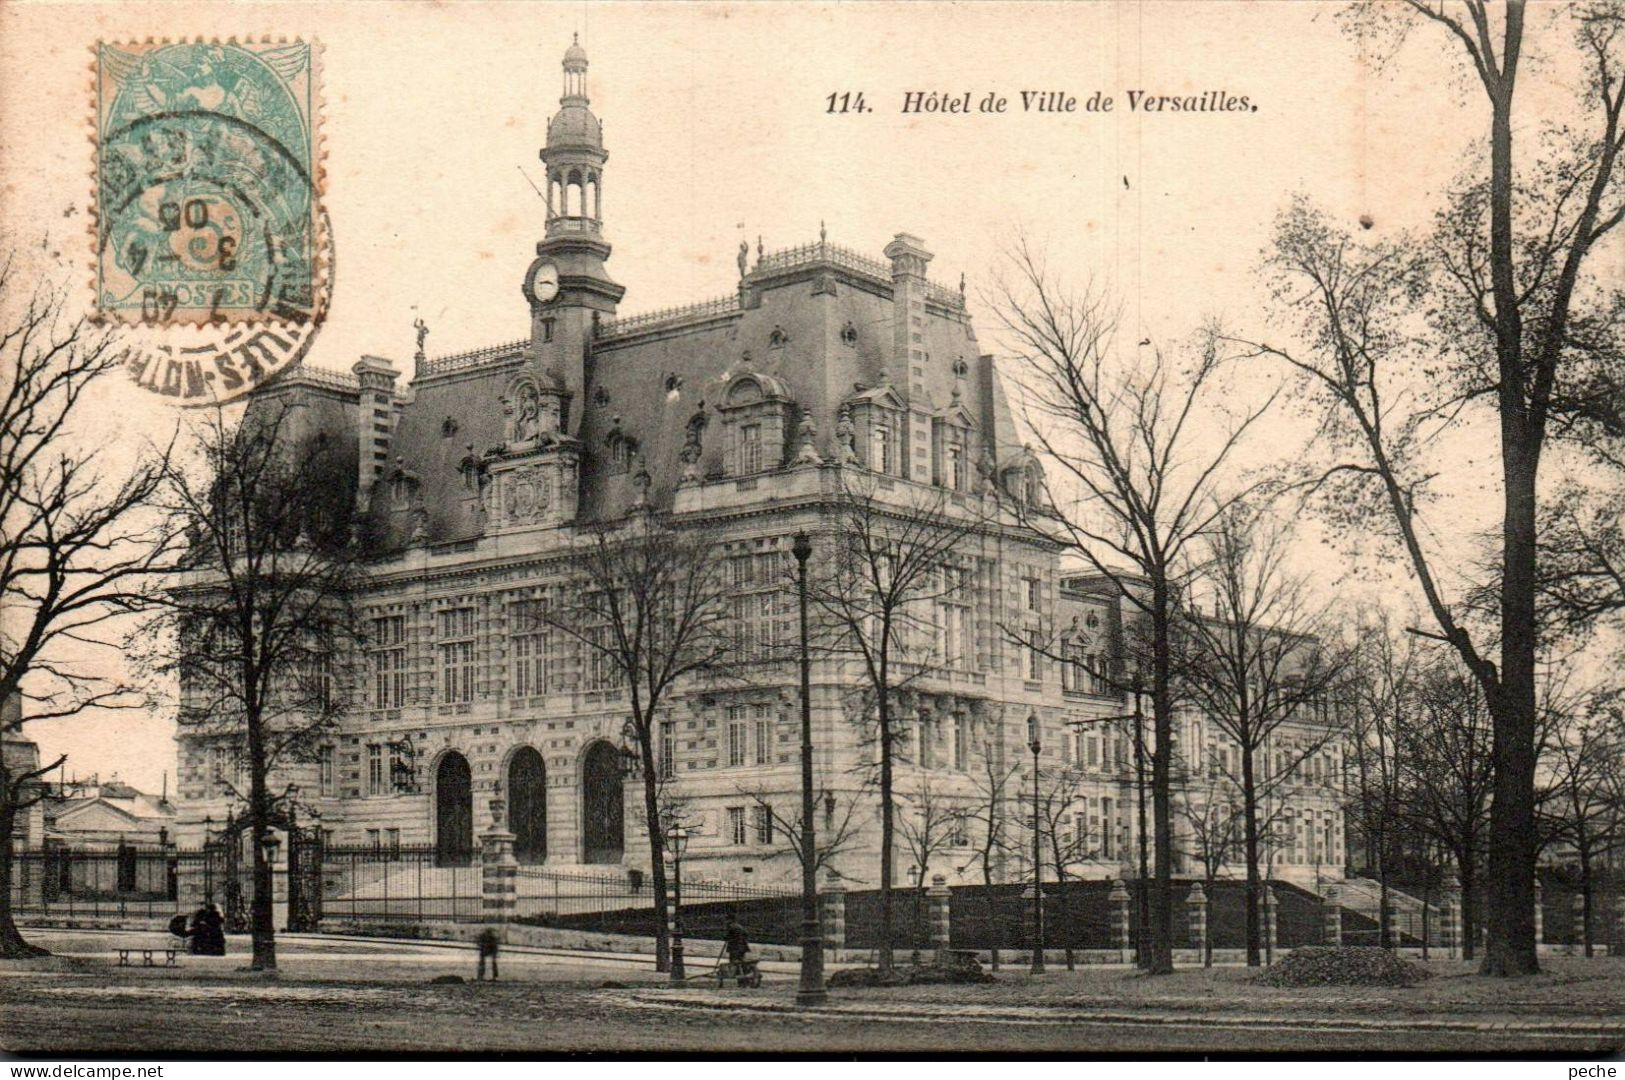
(567, 286)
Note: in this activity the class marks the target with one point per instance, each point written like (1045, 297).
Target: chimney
(375, 422)
(908, 262)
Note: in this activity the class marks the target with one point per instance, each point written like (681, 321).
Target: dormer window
(755, 413)
(956, 467)
(620, 452)
(878, 423)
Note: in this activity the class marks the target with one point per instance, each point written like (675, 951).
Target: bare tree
(1134, 436)
(1208, 805)
(895, 554)
(1380, 690)
(1066, 832)
(840, 830)
(1586, 762)
(1260, 666)
(77, 541)
(1447, 750)
(648, 606)
(1501, 307)
(930, 824)
(259, 621)
(990, 812)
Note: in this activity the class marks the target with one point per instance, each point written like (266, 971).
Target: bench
(171, 957)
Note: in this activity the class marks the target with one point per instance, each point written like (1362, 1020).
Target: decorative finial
(822, 233)
(423, 332)
(962, 284)
(744, 258)
(758, 250)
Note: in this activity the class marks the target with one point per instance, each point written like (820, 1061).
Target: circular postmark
(211, 365)
(204, 218)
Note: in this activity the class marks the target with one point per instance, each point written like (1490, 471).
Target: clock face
(542, 284)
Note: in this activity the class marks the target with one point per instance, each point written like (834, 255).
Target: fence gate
(305, 880)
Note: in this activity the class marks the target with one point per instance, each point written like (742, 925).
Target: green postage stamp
(207, 182)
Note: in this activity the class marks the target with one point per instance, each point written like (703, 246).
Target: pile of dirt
(913, 975)
(1321, 965)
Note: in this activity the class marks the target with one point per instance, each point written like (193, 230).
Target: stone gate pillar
(1580, 923)
(939, 896)
(834, 917)
(1450, 922)
(1331, 923)
(1540, 913)
(499, 870)
(1119, 901)
(1271, 910)
(1196, 912)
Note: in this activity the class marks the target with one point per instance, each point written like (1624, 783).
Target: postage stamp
(207, 184)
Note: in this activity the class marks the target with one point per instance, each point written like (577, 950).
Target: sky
(717, 124)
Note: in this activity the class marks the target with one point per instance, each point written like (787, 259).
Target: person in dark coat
(737, 944)
(487, 942)
(208, 932)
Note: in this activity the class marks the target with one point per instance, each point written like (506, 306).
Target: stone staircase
(1364, 896)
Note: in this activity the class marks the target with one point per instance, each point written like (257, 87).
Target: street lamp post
(677, 843)
(1038, 861)
(811, 991)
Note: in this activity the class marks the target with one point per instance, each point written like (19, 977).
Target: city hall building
(739, 414)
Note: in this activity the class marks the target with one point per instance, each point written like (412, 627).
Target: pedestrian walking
(487, 944)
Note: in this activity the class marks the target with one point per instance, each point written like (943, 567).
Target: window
(1106, 830)
(962, 740)
(736, 735)
(956, 466)
(388, 645)
(325, 778)
(1032, 592)
(736, 825)
(1035, 662)
(764, 825)
(923, 728)
(456, 656)
(392, 840)
(955, 641)
(372, 840)
(750, 449)
(880, 447)
(764, 737)
(375, 769)
(668, 749)
(532, 649)
(1094, 752)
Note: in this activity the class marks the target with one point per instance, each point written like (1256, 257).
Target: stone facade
(742, 413)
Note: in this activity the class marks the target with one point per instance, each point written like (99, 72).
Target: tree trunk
(1467, 872)
(12, 945)
(261, 920)
(1249, 843)
(1162, 709)
(886, 823)
(1510, 899)
(657, 854)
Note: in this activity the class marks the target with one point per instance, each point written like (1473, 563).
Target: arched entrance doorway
(527, 805)
(453, 811)
(603, 809)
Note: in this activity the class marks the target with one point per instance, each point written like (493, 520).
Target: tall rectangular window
(456, 642)
(326, 781)
(764, 825)
(736, 736)
(764, 736)
(750, 449)
(736, 825)
(1106, 828)
(1033, 592)
(668, 749)
(880, 448)
(531, 649)
(956, 466)
(375, 769)
(962, 737)
(388, 657)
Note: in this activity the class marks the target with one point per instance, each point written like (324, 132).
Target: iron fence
(125, 882)
(411, 884)
(625, 904)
